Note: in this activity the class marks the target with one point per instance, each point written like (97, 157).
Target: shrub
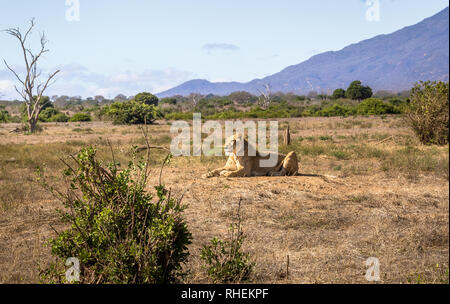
(118, 233)
(337, 110)
(4, 116)
(132, 112)
(428, 112)
(338, 93)
(179, 116)
(375, 106)
(60, 117)
(168, 100)
(47, 113)
(225, 261)
(80, 117)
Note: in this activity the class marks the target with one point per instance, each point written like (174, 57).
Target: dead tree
(265, 98)
(31, 86)
(195, 98)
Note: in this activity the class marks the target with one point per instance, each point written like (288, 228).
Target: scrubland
(385, 196)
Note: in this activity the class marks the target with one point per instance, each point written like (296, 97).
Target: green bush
(47, 113)
(375, 106)
(357, 91)
(4, 116)
(337, 110)
(51, 114)
(117, 232)
(224, 260)
(338, 93)
(179, 116)
(80, 117)
(146, 98)
(132, 112)
(60, 117)
(428, 113)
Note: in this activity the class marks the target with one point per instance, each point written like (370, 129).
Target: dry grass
(388, 199)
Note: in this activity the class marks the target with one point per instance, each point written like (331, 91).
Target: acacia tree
(356, 91)
(32, 86)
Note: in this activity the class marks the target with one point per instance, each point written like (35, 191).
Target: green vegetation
(51, 114)
(357, 91)
(132, 112)
(145, 107)
(59, 117)
(80, 117)
(4, 116)
(338, 93)
(117, 231)
(375, 106)
(147, 98)
(428, 112)
(224, 260)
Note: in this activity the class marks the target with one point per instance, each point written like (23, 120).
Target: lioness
(240, 166)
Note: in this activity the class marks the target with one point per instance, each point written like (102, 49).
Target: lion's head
(236, 144)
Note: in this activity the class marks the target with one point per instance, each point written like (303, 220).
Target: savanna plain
(367, 188)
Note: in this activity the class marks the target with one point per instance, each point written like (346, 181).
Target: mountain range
(391, 62)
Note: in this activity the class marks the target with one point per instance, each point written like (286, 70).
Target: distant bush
(428, 112)
(338, 93)
(4, 116)
(47, 113)
(337, 110)
(147, 98)
(168, 100)
(59, 117)
(132, 112)
(117, 232)
(375, 106)
(357, 91)
(80, 117)
(179, 116)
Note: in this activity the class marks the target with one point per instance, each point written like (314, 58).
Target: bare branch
(32, 89)
(266, 96)
(15, 74)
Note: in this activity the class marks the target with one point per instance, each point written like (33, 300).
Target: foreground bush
(224, 260)
(117, 231)
(428, 112)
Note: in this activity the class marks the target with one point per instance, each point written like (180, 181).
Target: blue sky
(126, 47)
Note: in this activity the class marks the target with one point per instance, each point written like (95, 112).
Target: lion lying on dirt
(240, 166)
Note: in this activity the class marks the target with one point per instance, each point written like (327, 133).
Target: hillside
(386, 62)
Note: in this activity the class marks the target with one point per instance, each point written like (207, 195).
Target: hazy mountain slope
(386, 62)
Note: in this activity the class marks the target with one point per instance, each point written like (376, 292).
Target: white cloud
(77, 80)
(7, 88)
(211, 47)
